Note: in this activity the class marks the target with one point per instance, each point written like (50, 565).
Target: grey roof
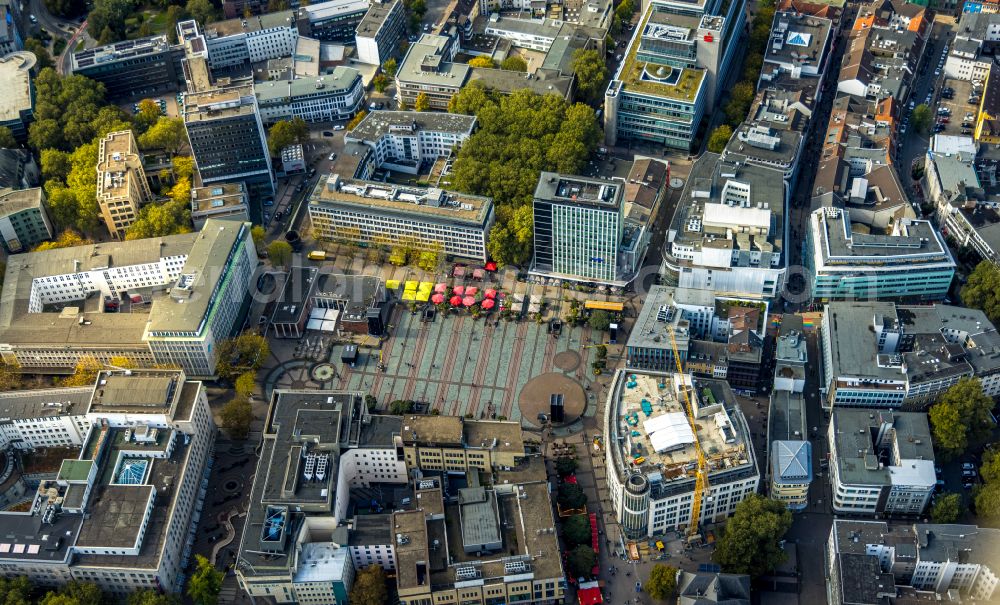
(16, 200)
(856, 455)
(791, 347)
(371, 530)
(543, 81)
(379, 123)
(284, 91)
(579, 190)
(424, 65)
(296, 291)
(862, 580)
(375, 18)
(787, 417)
(356, 293)
(652, 328)
(801, 39)
(126, 49)
(480, 518)
(791, 461)
(913, 240)
(703, 588)
(41, 403)
(963, 543)
(15, 85)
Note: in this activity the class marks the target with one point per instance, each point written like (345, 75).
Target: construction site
(664, 430)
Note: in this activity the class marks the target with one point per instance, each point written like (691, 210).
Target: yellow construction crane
(701, 478)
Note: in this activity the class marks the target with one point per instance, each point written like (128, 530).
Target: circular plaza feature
(322, 372)
(536, 397)
(567, 361)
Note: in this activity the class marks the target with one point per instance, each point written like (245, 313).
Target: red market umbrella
(468, 301)
(488, 303)
(490, 293)
(441, 288)
(458, 290)
(471, 291)
(455, 301)
(437, 299)
(491, 266)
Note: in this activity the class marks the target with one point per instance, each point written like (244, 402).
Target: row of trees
(742, 94)
(519, 136)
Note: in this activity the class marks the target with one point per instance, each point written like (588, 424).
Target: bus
(317, 255)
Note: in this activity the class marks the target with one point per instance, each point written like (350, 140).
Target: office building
(428, 68)
(334, 20)
(705, 588)
(454, 444)
(773, 134)
(378, 35)
(221, 200)
(164, 300)
(881, 462)
(17, 99)
(789, 450)
(971, 54)
(729, 230)
(24, 221)
(886, 355)
(361, 302)
(675, 69)
(579, 227)
(872, 562)
(651, 457)
(406, 141)
(18, 169)
(244, 40)
(227, 137)
(317, 446)
(327, 98)
(396, 215)
(11, 39)
(912, 261)
(798, 54)
(121, 182)
(133, 69)
(119, 506)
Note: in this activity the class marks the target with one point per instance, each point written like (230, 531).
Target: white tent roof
(668, 431)
(314, 324)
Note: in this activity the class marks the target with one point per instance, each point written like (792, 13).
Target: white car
(333, 156)
(937, 72)
(338, 127)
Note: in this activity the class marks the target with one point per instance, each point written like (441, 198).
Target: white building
(405, 140)
(390, 215)
(380, 32)
(325, 98)
(220, 200)
(257, 38)
(144, 438)
(881, 462)
(650, 453)
(975, 33)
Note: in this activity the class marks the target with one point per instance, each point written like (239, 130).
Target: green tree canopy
(581, 561)
(151, 597)
(108, 17)
(599, 320)
(369, 587)
(576, 530)
(167, 134)
(514, 63)
(66, 239)
(55, 164)
(15, 591)
(591, 75)
(662, 581)
(7, 140)
(389, 68)
(380, 82)
(921, 118)
(947, 508)
(482, 61)
(246, 383)
(719, 138)
(571, 495)
(565, 466)
(205, 583)
(982, 290)
(66, 8)
(961, 417)
(202, 11)
(280, 253)
(286, 132)
(38, 48)
(740, 97)
(750, 542)
(422, 103)
(258, 234)
(237, 416)
(243, 353)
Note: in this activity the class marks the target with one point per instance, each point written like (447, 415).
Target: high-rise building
(227, 137)
(133, 68)
(120, 510)
(24, 221)
(17, 93)
(578, 226)
(121, 182)
(326, 98)
(379, 33)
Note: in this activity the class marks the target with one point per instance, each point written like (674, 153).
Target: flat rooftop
(787, 418)
(427, 430)
(220, 195)
(218, 102)
(424, 65)
(117, 165)
(854, 347)
(144, 392)
(255, 23)
(857, 459)
(280, 91)
(126, 49)
(418, 202)
(115, 519)
(43, 403)
(682, 84)
(375, 18)
(657, 433)
(15, 92)
(508, 435)
(570, 189)
(16, 200)
(380, 123)
(798, 39)
(911, 241)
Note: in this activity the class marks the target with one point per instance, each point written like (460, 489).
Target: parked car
(968, 466)
(327, 133)
(333, 156)
(338, 127)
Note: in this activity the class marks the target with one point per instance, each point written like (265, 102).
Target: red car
(943, 120)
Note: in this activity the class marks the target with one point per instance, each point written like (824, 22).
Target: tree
(982, 290)
(389, 68)
(662, 581)
(205, 583)
(202, 11)
(151, 597)
(581, 561)
(85, 373)
(719, 138)
(565, 466)
(246, 383)
(921, 117)
(422, 103)
(257, 233)
(482, 61)
(740, 98)
(15, 591)
(164, 218)
(510, 241)
(66, 239)
(571, 496)
(591, 75)
(286, 132)
(356, 120)
(750, 542)
(10, 380)
(167, 134)
(947, 508)
(237, 416)
(243, 353)
(7, 140)
(183, 166)
(987, 500)
(280, 253)
(110, 119)
(55, 164)
(148, 114)
(173, 15)
(961, 417)
(514, 63)
(369, 587)
(380, 82)
(75, 593)
(400, 407)
(599, 320)
(45, 134)
(66, 8)
(576, 530)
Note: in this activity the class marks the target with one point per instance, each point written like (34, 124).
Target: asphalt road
(58, 28)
